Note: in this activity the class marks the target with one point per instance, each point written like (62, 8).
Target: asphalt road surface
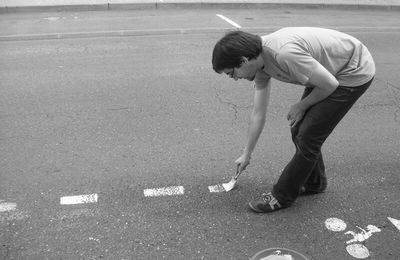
(112, 106)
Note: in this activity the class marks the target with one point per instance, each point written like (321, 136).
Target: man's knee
(309, 147)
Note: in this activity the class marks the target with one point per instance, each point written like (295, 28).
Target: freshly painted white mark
(166, 191)
(80, 199)
(94, 239)
(358, 251)
(335, 224)
(354, 248)
(229, 21)
(216, 188)
(395, 222)
(7, 206)
(364, 235)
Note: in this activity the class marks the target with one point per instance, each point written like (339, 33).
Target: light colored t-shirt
(291, 55)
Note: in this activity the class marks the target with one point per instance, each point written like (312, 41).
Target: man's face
(246, 70)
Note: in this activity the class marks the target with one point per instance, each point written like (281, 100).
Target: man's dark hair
(230, 49)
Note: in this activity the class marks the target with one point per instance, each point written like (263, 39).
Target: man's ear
(245, 60)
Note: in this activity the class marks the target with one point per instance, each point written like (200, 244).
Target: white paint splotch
(354, 246)
(363, 235)
(395, 222)
(166, 191)
(79, 199)
(216, 188)
(358, 251)
(7, 206)
(9, 212)
(335, 224)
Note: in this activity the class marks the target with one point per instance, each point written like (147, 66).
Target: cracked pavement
(113, 114)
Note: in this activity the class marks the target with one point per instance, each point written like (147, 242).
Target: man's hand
(242, 162)
(295, 114)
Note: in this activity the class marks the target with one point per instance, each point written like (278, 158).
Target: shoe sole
(260, 211)
(254, 209)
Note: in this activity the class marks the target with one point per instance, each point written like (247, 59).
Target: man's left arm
(323, 83)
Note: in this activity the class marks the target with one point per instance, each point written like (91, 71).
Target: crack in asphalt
(231, 104)
(395, 91)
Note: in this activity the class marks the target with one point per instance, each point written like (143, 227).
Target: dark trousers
(306, 168)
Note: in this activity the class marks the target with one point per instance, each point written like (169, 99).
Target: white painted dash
(7, 206)
(216, 188)
(395, 222)
(226, 19)
(166, 191)
(79, 199)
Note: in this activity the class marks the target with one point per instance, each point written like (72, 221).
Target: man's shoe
(266, 204)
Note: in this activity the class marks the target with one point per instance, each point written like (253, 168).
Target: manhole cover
(278, 254)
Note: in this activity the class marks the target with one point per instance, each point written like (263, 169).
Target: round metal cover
(278, 254)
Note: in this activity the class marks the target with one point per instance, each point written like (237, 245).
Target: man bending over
(335, 68)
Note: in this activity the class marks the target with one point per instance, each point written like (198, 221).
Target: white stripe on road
(166, 191)
(395, 222)
(229, 21)
(80, 199)
(7, 206)
(216, 188)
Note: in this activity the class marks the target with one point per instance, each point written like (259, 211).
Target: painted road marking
(354, 248)
(216, 188)
(278, 253)
(7, 206)
(80, 199)
(237, 26)
(10, 212)
(335, 224)
(395, 222)
(166, 191)
(364, 235)
(358, 251)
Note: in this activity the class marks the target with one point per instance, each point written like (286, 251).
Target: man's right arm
(257, 121)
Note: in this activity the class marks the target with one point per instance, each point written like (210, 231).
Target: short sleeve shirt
(292, 54)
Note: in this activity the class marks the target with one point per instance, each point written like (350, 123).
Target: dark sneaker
(267, 203)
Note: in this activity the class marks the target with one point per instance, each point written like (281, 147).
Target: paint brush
(231, 184)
